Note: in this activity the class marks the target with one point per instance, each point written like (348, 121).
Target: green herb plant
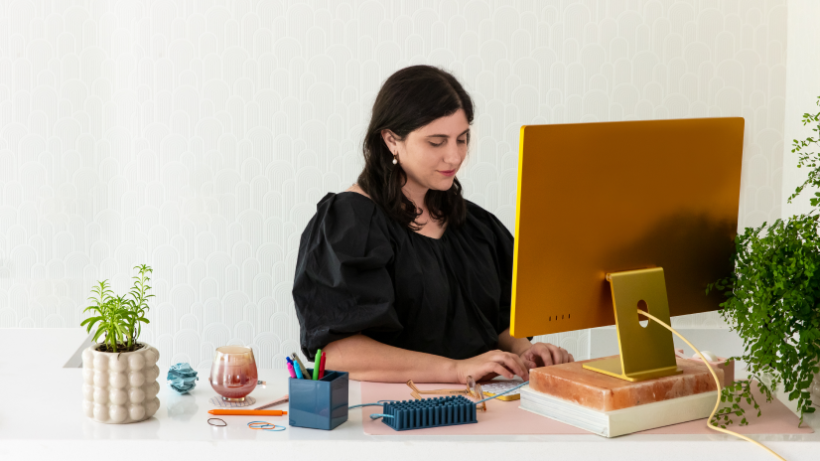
(772, 301)
(120, 318)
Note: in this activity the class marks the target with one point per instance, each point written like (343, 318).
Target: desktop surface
(44, 417)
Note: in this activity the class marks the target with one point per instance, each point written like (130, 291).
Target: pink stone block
(572, 382)
(728, 367)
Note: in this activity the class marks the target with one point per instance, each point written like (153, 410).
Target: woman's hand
(489, 365)
(545, 354)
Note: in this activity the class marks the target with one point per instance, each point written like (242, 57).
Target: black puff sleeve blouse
(358, 271)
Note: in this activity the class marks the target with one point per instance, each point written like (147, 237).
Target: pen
(249, 412)
(290, 368)
(316, 363)
(301, 367)
(322, 365)
(272, 403)
(297, 371)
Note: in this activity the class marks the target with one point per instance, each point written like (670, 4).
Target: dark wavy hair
(409, 99)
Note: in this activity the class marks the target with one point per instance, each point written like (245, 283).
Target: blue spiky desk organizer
(419, 414)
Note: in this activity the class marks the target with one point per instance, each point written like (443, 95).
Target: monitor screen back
(595, 198)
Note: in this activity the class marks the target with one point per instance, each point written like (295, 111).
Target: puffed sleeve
(342, 285)
(504, 265)
(503, 242)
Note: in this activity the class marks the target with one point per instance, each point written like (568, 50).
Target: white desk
(41, 418)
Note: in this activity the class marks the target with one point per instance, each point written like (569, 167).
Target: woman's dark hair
(408, 100)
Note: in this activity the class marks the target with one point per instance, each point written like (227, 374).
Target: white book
(624, 421)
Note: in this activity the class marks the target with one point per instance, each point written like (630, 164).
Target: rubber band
(275, 429)
(265, 426)
(217, 425)
(260, 424)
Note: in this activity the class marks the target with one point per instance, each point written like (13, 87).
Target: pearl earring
(395, 161)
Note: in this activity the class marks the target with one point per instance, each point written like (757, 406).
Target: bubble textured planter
(120, 387)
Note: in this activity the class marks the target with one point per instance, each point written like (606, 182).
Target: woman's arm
(534, 355)
(515, 345)
(369, 360)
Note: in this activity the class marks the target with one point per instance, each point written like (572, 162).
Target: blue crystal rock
(182, 377)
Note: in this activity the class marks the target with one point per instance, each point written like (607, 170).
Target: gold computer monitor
(596, 198)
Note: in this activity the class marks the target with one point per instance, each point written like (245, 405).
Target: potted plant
(772, 302)
(120, 373)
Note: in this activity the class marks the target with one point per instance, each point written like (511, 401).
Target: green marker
(316, 362)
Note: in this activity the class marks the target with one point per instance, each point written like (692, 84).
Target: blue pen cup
(320, 404)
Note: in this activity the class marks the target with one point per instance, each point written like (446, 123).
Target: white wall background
(197, 136)
(802, 90)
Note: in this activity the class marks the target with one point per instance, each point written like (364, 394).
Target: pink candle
(233, 373)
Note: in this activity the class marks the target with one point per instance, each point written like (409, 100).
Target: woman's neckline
(410, 230)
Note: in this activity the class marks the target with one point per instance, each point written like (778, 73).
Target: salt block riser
(573, 383)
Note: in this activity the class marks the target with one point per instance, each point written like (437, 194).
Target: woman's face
(432, 155)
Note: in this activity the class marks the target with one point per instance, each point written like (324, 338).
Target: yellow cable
(717, 381)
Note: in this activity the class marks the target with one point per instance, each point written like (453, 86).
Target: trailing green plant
(808, 159)
(120, 318)
(772, 301)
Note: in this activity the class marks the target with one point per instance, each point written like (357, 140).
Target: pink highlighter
(291, 370)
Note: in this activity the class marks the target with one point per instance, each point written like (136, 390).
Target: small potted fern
(120, 373)
(773, 301)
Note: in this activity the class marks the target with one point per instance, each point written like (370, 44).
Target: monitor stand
(646, 352)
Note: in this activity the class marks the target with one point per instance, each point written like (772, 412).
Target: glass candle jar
(233, 373)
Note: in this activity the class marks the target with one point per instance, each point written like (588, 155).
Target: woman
(400, 277)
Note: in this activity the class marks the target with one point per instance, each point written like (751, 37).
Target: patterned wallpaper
(197, 136)
(802, 91)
